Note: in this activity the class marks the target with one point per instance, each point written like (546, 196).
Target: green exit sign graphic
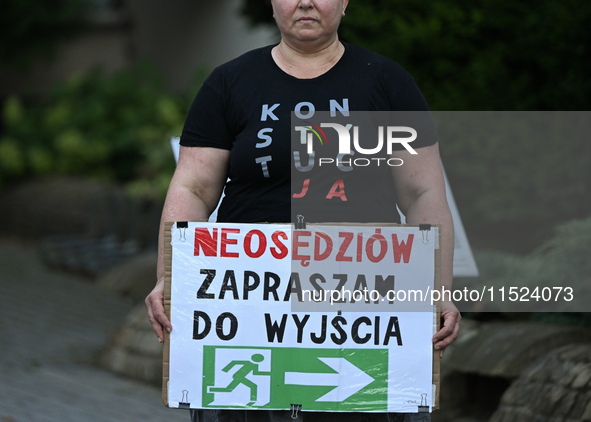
(274, 378)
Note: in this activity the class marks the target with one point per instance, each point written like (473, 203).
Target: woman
(237, 128)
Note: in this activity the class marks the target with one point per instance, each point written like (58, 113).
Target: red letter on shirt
(340, 185)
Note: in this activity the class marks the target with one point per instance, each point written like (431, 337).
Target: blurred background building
(179, 36)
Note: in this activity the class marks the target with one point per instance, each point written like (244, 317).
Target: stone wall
(557, 387)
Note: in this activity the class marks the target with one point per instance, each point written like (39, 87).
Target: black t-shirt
(245, 106)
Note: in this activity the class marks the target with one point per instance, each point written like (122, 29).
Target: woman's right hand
(156, 314)
(194, 192)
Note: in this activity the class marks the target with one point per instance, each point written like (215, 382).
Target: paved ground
(52, 328)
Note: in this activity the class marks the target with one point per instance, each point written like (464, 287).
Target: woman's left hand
(451, 325)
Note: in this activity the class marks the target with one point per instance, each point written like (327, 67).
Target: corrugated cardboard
(167, 284)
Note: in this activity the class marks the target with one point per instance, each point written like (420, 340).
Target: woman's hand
(451, 325)
(156, 314)
(193, 194)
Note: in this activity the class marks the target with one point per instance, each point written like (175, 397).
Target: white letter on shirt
(334, 106)
(268, 112)
(263, 162)
(266, 138)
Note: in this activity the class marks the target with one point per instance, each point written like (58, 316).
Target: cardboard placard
(241, 339)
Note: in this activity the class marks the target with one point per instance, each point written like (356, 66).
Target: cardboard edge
(436, 358)
(167, 286)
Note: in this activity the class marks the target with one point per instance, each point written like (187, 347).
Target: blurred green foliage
(257, 12)
(479, 54)
(483, 54)
(113, 127)
(31, 29)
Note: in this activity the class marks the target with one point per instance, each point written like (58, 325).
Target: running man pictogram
(240, 376)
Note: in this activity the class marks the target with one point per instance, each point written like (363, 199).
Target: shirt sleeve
(206, 124)
(410, 102)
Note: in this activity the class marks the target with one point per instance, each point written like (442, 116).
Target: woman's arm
(420, 193)
(193, 194)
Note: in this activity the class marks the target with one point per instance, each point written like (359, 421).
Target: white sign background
(409, 365)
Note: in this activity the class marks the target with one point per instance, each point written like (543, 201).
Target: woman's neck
(307, 63)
